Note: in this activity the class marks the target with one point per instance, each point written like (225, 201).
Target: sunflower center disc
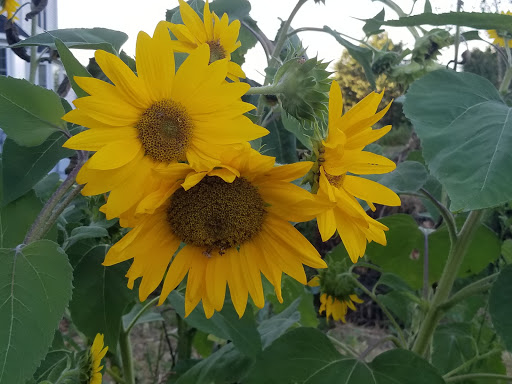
(216, 214)
(164, 130)
(217, 52)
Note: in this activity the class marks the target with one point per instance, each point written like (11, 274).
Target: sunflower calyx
(303, 87)
(428, 47)
(383, 61)
(335, 281)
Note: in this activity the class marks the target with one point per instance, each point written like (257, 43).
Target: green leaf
(400, 304)
(148, 317)
(72, 66)
(277, 325)
(16, 219)
(291, 124)
(35, 288)
(100, 296)
(79, 38)
(404, 252)
(305, 355)
(453, 345)
(224, 324)
(428, 7)
(362, 55)
(85, 232)
(54, 358)
(500, 308)
(279, 143)
(29, 113)
(466, 133)
(23, 167)
(373, 26)
(463, 19)
(506, 250)
(409, 176)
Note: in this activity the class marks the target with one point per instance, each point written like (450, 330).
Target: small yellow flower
(498, 36)
(96, 354)
(221, 36)
(155, 119)
(341, 158)
(8, 6)
(337, 308)
(234, 221)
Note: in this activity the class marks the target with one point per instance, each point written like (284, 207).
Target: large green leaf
(224, 324)
(452, 346)
(35, 288)
(466, 133)
(16, 219)
(362, 55)
(500, 308)
(72, 66)
(23, 167)
(279, 143)
(404, 253)
(409, 176)
(463, 19)
(79, 38)
(100, 296)
(29, 113)
(305, 355)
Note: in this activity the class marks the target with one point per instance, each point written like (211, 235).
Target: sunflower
(155, 119)
(96, 354)
(499, 36)
(337, 307)
(221, 36)
(341, 157)
(233, 221)
(8, 6)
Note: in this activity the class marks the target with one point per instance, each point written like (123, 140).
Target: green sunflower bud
(383, 61)
(304, 87)
(428, 47)
(335, 282)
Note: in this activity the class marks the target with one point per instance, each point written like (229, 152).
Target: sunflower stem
(33, 51)
(456, 256)
(67, 374)
(470, 362)
(445, 213)
(457, 38)
(125, 347)
(403, 342)
(506, 81)
(185, 335)
(140, 313)
(43, 222)
(274, 60)
(478, 286)
(272, 89)
(115, 376)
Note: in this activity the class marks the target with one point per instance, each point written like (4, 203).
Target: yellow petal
(248, 256)
(95, 139)
(326, 224)
(290, 172)
(370, 190)
(237, 287)
(115, 155)
(192, 21)
(177, 271)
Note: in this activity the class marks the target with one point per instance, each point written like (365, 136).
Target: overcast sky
(132, 16)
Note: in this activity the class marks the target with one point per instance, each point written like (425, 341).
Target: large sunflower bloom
(234, 223)
(337, 308)
(498, 36)
(8, 6)
(156, 118)
(221, 36)
(341, 157)
(96, 354)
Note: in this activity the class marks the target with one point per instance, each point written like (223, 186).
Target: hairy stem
(455, 258)
(33, 51)
(143, 310)
(445, 213)
(470, 376)
(126, 357)
(470, 362)
(271, 89)
(115, 376)
(457, 38)
(479, 286)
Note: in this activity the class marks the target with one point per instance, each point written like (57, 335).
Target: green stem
(457, 38)
(445, 213)
(140, 313)
(403, 342)
(282, 37)
(505, 84)
(343, 346)
(271, 89)
(68, 374)
(115, 376)
(400, 13)
(479, 286)
(185, 335)
(126, 357)
(470, 362)
(42, 222)
(455, 258)
(471, 376)
(33, 52)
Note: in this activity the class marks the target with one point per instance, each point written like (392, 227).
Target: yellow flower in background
(96, 354)
(219, 34)
(155, 119)
(234, 221)
(498, 36)
(341, 158)
(337, 308)
(8, 6)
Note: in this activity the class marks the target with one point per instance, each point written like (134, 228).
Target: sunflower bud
(428, 47)
(304, 85)
(383, 61)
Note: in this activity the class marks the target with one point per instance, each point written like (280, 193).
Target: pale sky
(132, 16)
